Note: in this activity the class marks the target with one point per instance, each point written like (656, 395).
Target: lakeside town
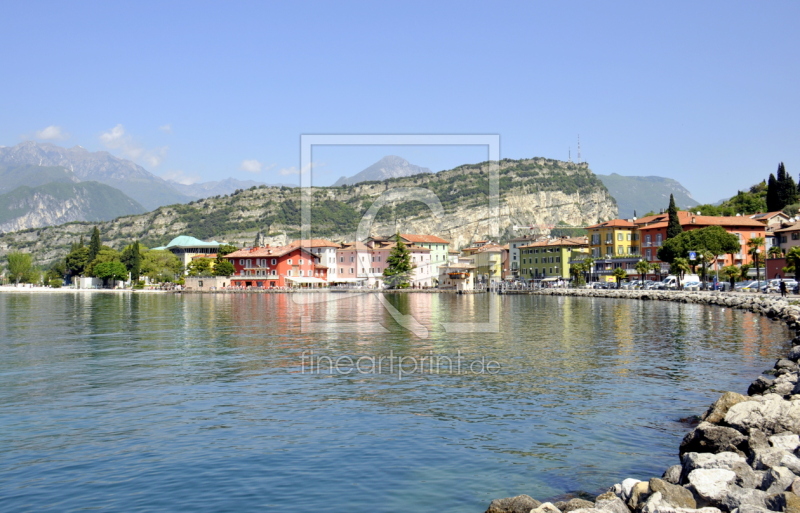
(636, 253)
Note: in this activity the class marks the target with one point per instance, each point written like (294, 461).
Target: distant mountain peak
(390, 166)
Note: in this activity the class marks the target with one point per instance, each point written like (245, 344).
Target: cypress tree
(773, 194)
(94, 244)
(136, 264)
(674, 227)
(788, 189)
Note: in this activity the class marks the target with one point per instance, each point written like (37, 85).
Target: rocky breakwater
(743, 456)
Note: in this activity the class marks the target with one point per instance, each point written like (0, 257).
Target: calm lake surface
(151, 402)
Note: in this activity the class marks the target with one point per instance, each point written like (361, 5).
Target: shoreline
(743, 456)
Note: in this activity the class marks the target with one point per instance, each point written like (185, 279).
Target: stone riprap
(743, 456)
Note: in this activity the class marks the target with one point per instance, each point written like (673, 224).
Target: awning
(301, 280)
(347, 280)
(551, 279)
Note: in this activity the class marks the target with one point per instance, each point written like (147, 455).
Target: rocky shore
(743, 455)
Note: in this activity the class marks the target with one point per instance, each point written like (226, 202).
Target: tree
(398, 271)
(224, 267)
(113, 271)
(755, 249)
(225, 249)
(200, 267)
(642, 267)
(793, 261)
(620, 274)
(161, 265)
(773, 194)
(775, 252)
(787, 190)
(105, 255)
(732, 272)
(679, 267)
(674, 227)
(77, 260)
(20, 267)
(132, 258)
(94, 244)
(656, 269)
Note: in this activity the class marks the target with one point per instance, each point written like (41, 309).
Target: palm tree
(656, 269)
(755, 248)
(620, 274)
(642, 266)
(793, 260)
(679, 267)
(775, 252)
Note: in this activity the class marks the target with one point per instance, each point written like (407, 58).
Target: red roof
(314, 243)
(614, 223)
(687, 218)
(563, 241)
(428, 239)
(266, 251)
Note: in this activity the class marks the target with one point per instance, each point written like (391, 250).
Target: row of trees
(99, 261)
(781, 191)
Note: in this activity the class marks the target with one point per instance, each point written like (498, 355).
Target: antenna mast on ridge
(579, 148)
(569, 153)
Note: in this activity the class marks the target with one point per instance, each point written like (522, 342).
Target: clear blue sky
(707, 93)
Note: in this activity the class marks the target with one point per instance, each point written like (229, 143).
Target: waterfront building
(550, 258)
(615, 237)
(270, 267)
(653, 233)
(513, 253)
(186, 247)
(325, 251)
(364, 263)
(457, 275)
(490, 261)
(438, 247)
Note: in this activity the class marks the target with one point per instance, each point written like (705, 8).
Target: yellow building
(489, 260)
(550, 258)
(617, 237)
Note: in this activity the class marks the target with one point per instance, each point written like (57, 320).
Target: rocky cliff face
(530, 192)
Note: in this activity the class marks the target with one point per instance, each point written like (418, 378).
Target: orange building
(653, 233)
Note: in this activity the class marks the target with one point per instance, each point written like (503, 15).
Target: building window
(351, 270)
(352, 259)
(783, 238)
(341, 270)
(795, 236)
(301, 261)
(289, 261)
(658, 239)
(619, 236)
(341, 259)
(301, 273)
(241, 261)
(647, 254)
(274, 272)
(274, 261)
(647, 238)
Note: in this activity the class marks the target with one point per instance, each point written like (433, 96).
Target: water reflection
(164, 400)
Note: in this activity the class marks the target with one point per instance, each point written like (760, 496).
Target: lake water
(151, 402)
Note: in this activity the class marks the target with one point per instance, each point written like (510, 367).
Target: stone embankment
(743, 456)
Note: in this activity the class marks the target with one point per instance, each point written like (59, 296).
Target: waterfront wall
(743, 455)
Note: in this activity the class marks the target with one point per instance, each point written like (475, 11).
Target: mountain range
(390, 166)
(132, 179)
(534, 191)
(220, 187)
(642, 194)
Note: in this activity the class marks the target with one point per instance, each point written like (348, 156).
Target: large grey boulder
(675, 495)
(547, 507)
(736, 496)
(791, 462)
(746, 477)
(704, 460)
(778, 480)
(759, 386)
(627, 488)
(707, 437)
(765, 459)
(518, 504)
(770, 414)
(639, 494)
(711, 485)
(673, 474)
(611, 503)
(794, 353)
(656, 504)
(717, 412)
(786, 441)
(573, 504)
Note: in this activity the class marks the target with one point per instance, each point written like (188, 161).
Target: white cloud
(251, 166)
(176, 175)
(117, 139)
(167, 129)
(52, 133)
(292, 170)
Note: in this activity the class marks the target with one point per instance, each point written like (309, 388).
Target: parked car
(691, 285)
